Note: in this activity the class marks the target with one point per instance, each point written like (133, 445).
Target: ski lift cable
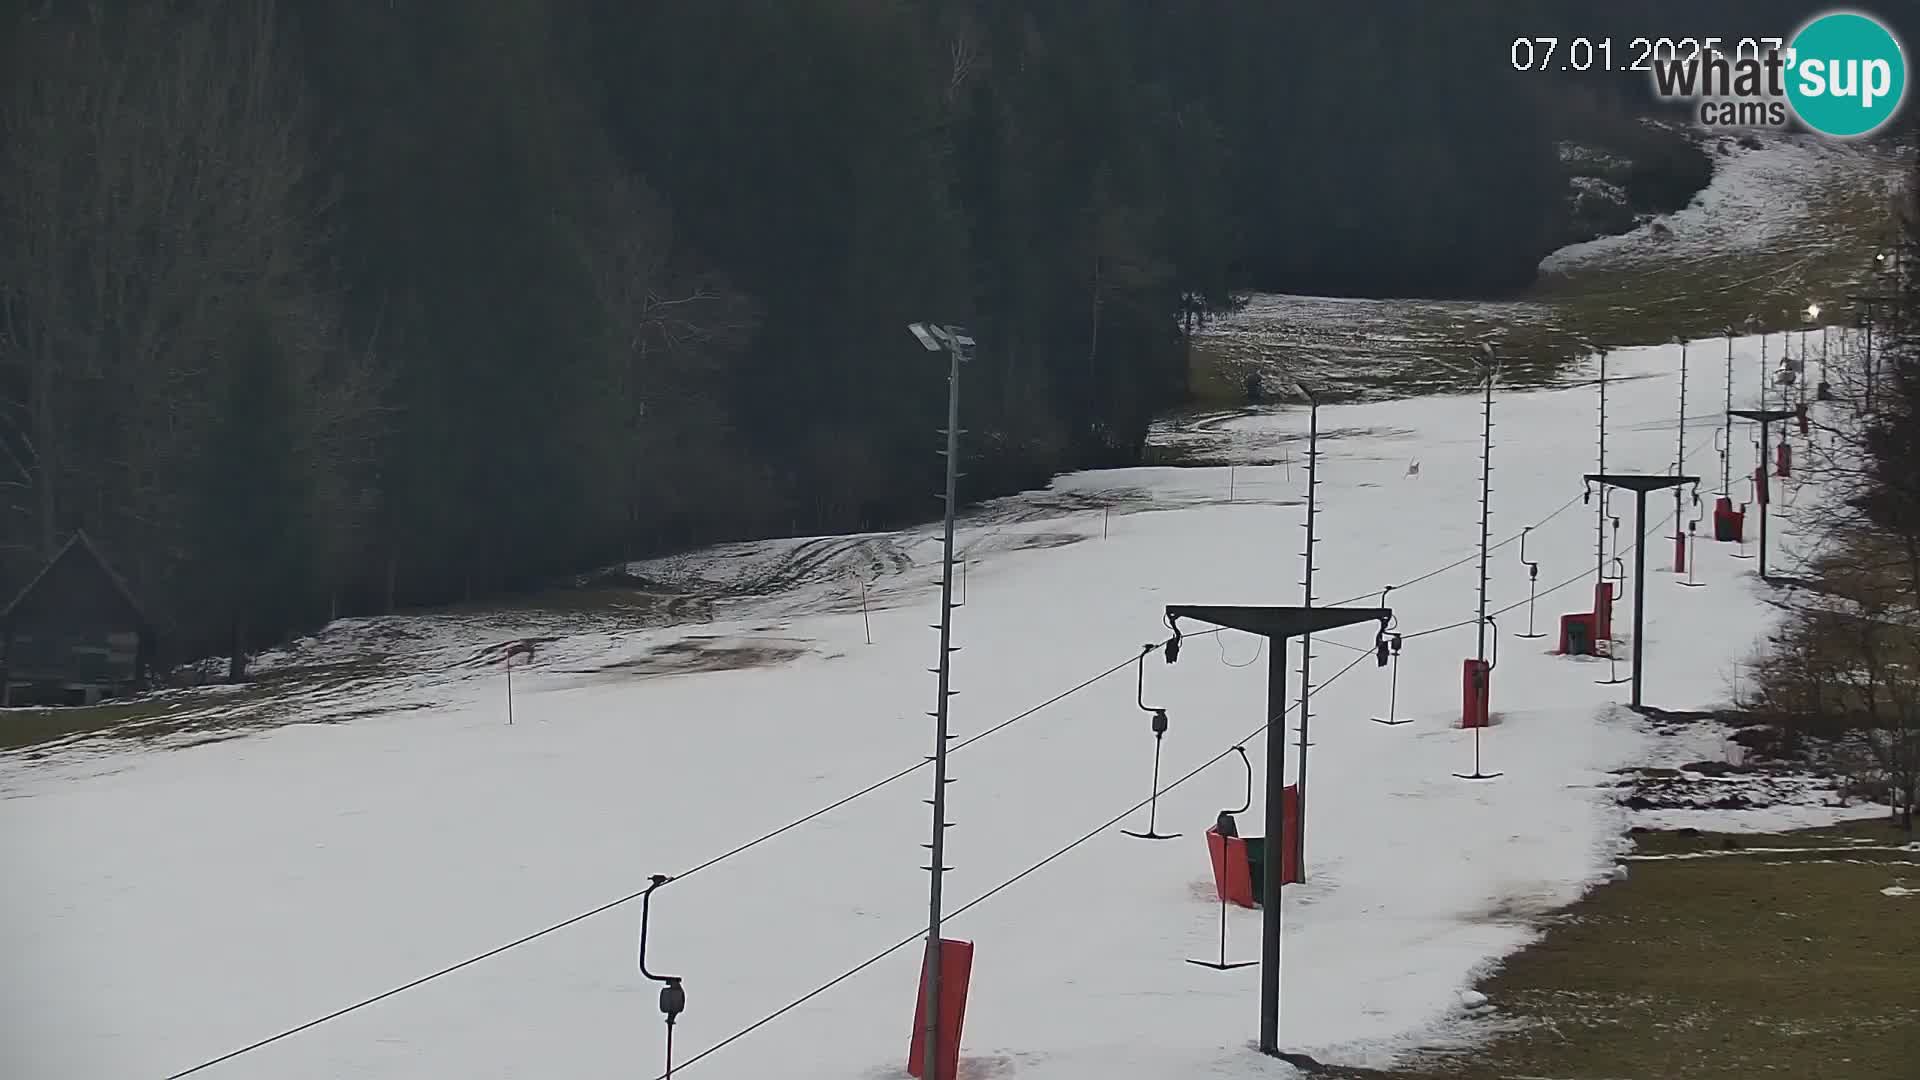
(637, 894)
(828, 808)
(920, 934)
(1260, 648)
(1548, 592)
(1464, 560)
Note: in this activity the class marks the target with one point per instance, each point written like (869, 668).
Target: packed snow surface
(166, 905)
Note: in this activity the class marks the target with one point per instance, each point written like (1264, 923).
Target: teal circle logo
(1847, 75)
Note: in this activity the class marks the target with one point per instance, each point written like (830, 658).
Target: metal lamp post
(1306, 601)
(958, 345)
(1681, 561)
(1640, 484)
(1726, 440)
(1821, 390)
(1276, 624)
(1600, 515)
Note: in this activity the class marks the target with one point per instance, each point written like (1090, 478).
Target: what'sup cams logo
(1843, 74)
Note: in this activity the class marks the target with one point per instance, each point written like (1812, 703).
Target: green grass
(1742, 965)
(215, 711)
(1650, 301)
(20, 728)
(1645, 298)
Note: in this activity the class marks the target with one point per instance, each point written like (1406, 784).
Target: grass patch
(1739, 966)
(1648, 301)
(275, 696)
(1643, 296)
(1217, 375)
(21, 728)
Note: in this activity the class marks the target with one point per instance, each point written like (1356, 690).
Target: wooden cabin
(75, 634)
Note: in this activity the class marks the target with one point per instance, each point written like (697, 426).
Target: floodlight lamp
(1813, 311)
(928, 336)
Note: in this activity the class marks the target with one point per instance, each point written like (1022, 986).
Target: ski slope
(165, 906)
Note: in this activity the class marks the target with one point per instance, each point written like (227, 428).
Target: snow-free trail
(163, 907)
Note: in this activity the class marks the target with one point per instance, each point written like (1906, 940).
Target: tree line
(1843, 671)
(310, 310)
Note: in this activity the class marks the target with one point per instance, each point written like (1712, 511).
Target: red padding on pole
(1783, 459)
(1476, 684)
(1603, 611)
(1760, 484)
(1232, 879)
(956, 968)
(1584, 620)
(1290, 843)
(1680, 554)
(1728, 524)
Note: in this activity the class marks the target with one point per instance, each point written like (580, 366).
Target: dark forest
(336, 308)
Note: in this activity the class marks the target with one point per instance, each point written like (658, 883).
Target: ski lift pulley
(673, 996)
(1225, 827)
(1387, 650)
(1158, 722)
(1224, 823)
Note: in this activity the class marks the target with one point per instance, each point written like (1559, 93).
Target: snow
(170, 903)
(1762, 819)
(1740, 799)
(1758, 197)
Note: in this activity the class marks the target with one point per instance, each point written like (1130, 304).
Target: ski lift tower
(1276, 624)
(1766, 418)
(1640, 484)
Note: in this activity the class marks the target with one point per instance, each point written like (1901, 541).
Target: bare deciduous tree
(161, 202)
(673, 328)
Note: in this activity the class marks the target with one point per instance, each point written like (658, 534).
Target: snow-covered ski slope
(164, 906)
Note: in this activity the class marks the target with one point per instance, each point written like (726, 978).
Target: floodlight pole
(1306, 601)
(1640, 484)
(1600, 514)
(1823, 354)
(1486, 498)
(1276, 624)
(1726, 451)
(1765, 417)
(958, 346)
(1680, 462)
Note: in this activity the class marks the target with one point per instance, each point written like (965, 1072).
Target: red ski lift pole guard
(956, 971)
(1476, 686)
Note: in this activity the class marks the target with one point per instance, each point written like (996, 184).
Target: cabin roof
(82, 546)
